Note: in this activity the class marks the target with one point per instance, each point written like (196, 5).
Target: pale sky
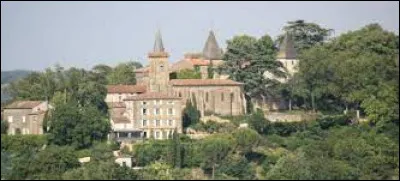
(37, 35)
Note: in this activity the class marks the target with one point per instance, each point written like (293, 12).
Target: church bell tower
(158, 73)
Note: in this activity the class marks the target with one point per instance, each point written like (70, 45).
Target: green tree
(258, 122)
(190, 114)
(78, 126)
(305, 35)
(188, 74)
(4, 127)
(122, 74)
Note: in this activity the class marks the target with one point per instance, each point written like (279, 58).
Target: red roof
(203, 82)
(152, 95)
(23, 104)
(199, 62)
(126, 88)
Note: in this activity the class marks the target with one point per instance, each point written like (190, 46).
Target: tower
(158, 72)
(287, 54)
(211, 50)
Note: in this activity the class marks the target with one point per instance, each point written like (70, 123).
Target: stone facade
(25, 117)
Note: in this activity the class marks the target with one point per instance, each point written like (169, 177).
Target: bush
(18, 143)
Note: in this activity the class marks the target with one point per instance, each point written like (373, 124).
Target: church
(153, 107)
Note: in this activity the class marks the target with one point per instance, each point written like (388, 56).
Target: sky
(37, 35)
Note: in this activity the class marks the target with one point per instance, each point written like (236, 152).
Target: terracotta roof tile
(203, 82)
(23, 104)
(153, 95)
(199, 62)
(126, 88)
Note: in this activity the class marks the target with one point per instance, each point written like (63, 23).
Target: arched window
(222, 96)
(180, 94)
(206, 96)
(232, 97)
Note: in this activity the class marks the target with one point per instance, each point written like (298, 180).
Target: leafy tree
(190, 114)
(188, 74)
(305, 35)
(71, 124)
(215, 149)
(4, 127)
(122, 74)
(247, 59)
(246, 139)
(257, 121)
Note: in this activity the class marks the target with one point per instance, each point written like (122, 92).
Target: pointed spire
(211, 49)
(286, 48)
(158, 44)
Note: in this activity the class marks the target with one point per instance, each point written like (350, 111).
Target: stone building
(153, 108)
(25, 117)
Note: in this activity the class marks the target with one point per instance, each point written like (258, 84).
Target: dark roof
(203, 82)
(158, 44)
(126, 88)
(211, 50)
(23, 104)
(286, 48)
(153, 95)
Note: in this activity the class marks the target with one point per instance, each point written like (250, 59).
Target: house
(25, 117)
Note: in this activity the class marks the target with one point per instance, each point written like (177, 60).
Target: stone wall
(222, 100)
(275, 116)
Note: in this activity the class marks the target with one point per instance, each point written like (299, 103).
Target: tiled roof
(116, 105)
(23, 104)
(153, 95)
(199, 62)
(126, 88)
(204, 82)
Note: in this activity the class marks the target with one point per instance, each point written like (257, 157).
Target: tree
(247, 59)
(4, 127)
(188, 74)
(305, 35)
(122, 74)
(257, 121)
(246, 139)
(190, 114)
(71, 124)
(215, 149)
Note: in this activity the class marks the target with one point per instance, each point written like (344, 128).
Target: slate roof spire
(286, 48)
(158, 44)
(211, 49)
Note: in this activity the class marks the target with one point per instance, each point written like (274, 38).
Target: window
(157, 134)
(206, 96)
(144, 111)
(157, 111)
(144, 123)
(144, 134)
(144, 103)
(161, 67)
(232, 97)
(10, 119)
(180, 94)
(158, 124)
(23, 119)
(170, 111)
(170, 122)
(222, 96)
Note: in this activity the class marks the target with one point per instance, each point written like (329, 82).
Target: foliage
(190, 114)
(78, 126)
(17, 143)
(188, 74)
(122, 74)
(247, 59)
(257, 121)
(4, 127)
(305, 35)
